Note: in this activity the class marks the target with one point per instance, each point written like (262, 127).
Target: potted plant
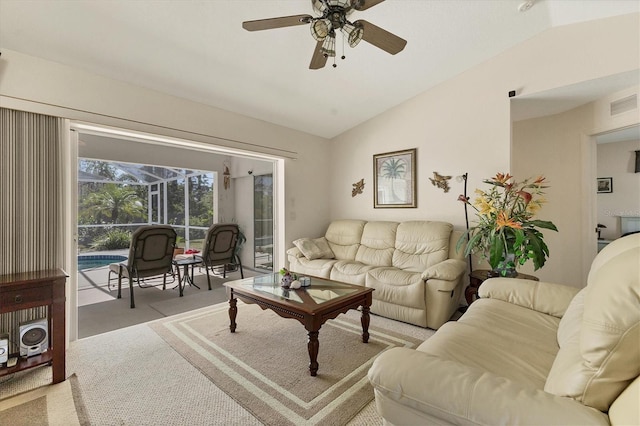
(506, 234)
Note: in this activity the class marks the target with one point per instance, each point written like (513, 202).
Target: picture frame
(605, 185)
(394, 179)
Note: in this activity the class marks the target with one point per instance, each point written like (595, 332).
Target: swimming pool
(91, 261)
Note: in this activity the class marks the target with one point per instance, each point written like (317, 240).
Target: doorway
(618, 193)
(125, 147)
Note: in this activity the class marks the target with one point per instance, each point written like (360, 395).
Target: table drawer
(32, 296)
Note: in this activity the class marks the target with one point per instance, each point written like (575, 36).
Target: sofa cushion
(377, 243)
(349, 271)
(344, 237)
(316, 248)
(597, 364)
(571, 322)
(501, 338)
(320, 268)
(398, 287)
(421, 244)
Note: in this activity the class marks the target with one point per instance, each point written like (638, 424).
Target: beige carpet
(59, 404)
(264, 365)
(133, 377)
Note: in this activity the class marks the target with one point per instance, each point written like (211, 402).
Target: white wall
(463, 125)
(617, 160)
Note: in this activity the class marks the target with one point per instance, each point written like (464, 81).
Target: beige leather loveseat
(528, 352)
(413, 266)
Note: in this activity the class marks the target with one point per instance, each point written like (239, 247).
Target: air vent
(625, 104)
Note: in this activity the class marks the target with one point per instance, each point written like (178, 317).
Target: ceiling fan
(333, 19)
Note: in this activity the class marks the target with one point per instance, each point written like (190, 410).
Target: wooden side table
(476, 278)
(29, 290)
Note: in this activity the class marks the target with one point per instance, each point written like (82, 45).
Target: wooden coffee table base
(312, 321)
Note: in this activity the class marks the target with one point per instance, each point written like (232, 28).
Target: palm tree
(393, 168)
(112, 202)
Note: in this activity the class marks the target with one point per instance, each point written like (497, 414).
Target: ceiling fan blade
(380, 38)
(365, 4)
(271, 23)
(318, 60)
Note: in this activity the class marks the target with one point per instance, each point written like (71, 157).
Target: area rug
(60, 404)
(264, 364)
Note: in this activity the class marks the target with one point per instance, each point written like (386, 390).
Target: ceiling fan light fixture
(339, 3)
(328, 48)
(320, 29)
(352, 33)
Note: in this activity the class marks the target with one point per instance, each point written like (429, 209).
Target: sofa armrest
(460, 394)
(548, 298)
(449, 270)
(295, 252)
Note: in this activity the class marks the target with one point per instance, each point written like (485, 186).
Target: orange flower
(539, 179)
(503, 221)
(503, 178)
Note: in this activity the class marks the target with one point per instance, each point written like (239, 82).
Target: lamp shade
(354, 34)
(328, 48)
(320, 29)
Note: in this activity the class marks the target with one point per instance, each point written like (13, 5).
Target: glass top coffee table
(311, 306)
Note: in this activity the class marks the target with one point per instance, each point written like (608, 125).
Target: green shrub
(113, 240)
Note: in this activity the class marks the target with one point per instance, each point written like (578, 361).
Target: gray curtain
(31, 192)
(31, 202)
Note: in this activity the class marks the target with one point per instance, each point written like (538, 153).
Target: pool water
(97, 261)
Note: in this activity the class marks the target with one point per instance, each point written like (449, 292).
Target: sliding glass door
(263, 221)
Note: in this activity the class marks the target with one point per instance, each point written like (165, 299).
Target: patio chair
(220, 249)
(150, 255)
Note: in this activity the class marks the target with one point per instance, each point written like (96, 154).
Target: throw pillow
(317, 248)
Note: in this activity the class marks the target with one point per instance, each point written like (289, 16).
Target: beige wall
(562, 148)
(551, 146)
(32, 84)
(463, 125)
(617, 160)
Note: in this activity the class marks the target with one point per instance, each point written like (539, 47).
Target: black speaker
(34, 337)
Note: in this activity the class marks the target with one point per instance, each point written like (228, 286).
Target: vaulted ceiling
(198, 49)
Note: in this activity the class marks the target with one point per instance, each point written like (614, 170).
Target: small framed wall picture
(605, 185)
(394, 177)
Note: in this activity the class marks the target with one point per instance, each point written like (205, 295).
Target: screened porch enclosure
(115, 198)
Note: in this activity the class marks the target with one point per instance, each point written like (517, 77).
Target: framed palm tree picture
(394, 179)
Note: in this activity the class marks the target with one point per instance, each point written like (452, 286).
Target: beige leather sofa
(528, 352)
(413, 266)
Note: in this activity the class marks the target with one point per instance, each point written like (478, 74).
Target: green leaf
(538, 248)
(495, 252)
(462, 240)
(543, 224)
(472, 243)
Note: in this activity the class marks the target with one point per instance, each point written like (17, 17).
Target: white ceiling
(199, 51)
